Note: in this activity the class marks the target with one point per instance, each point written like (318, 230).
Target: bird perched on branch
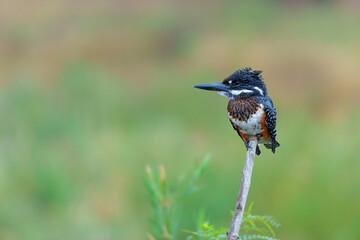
(251, 111)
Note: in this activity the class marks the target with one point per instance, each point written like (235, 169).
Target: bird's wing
(270, 121)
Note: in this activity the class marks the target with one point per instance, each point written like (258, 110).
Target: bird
(251, 111)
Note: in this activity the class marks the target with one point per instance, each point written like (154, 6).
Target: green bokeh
(90, 97)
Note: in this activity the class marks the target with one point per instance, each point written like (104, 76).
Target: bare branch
(233, 233)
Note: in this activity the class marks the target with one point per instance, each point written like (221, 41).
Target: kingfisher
(251, 111)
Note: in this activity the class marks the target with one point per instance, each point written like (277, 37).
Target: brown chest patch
(241, 108)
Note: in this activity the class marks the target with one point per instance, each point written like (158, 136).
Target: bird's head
(243, 81)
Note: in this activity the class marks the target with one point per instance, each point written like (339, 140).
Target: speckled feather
(243, 107)
(270, 122)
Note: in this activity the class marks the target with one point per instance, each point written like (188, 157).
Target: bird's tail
(273, 145)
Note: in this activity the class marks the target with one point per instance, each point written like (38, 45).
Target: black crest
(246, 77)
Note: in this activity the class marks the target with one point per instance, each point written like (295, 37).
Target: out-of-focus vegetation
(166, 201)
(93, 92)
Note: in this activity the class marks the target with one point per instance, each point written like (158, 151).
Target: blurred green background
(93, 91)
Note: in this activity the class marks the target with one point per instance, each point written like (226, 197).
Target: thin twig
(233, 233)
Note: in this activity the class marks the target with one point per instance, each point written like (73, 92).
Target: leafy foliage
(165, 200)
(252, 227)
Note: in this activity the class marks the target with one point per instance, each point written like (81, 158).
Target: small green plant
(252, 227)
(165, 200)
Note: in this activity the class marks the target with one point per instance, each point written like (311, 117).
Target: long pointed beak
(218, 86)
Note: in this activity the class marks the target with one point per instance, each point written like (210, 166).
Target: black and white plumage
(251, 111)
(270, 121)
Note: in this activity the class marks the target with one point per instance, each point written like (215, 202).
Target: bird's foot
(258, 137)
(258, 152)
(246, 142)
